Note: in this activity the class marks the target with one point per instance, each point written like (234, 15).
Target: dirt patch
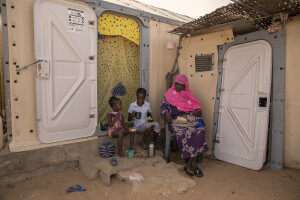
(221, 181)
(160, 178)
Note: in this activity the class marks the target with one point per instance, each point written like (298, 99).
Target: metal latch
(263, 101)
(43, 69)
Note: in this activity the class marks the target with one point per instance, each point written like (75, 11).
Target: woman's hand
(196, 113)
(168, 117)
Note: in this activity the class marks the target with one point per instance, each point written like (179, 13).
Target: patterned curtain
(118, 63)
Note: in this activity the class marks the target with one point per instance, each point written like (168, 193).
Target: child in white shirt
(140, 111)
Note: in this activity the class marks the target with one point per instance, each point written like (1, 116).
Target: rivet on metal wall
(275, 36)
(213, 98)
(201, 75)
(17, 66)
(15, 81)
(191, 74)
(201, 38)
(245, 38)
(17, 117)
(31, 131)
(16, 99)
(5, 24)
(7, 81)
(14, 63)
(4, 4)
(6, 62)
(18, 73)
(14, 44)
(12, 7)
(13, 26)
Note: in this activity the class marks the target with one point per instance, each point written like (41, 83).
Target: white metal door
(244, 104)
(65, 37)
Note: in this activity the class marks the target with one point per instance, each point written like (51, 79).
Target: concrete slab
(124, 164)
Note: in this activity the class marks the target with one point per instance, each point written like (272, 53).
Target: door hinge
(221, 89)
(216, 140)
(92, 116)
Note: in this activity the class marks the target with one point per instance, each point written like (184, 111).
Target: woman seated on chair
(182, 111)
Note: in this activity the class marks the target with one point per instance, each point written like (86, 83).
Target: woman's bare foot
(188, 171)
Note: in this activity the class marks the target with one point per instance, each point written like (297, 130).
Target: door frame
(276, 131)
(6, 68)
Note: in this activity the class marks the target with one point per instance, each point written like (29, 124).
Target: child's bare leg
(155, 135)
(146, 134)
(131, 139)
(132, 135)
(119, 135)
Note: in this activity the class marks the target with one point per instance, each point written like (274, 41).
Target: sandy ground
(221, 181)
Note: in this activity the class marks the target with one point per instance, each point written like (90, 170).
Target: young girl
(116, 124)
(140, 111)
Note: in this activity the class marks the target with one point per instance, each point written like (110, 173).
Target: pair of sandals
(196, 172)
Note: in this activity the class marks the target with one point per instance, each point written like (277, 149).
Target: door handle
(263, 101)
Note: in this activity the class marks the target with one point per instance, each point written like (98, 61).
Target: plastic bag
(136, 177)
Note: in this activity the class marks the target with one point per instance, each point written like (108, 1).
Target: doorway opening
(118, 67)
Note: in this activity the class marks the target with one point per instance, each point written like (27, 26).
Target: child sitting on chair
(116, 124)
(140, 111)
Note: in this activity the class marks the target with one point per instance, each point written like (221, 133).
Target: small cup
(138, 115)
(130, 153)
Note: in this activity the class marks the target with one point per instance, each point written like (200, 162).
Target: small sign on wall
(75, 20)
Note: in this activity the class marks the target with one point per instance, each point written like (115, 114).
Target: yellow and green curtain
(118, 62)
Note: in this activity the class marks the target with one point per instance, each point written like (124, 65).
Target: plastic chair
(169, 138)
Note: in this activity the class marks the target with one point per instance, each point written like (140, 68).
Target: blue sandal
(75, 188)
(113, 161)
